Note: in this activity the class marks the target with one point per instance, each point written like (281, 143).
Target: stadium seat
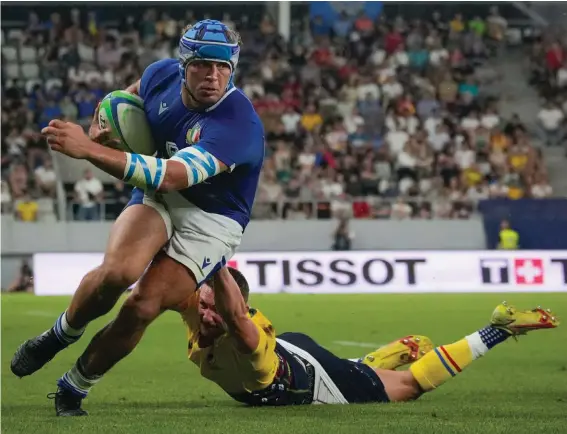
(30, 71)
(30, 84)
(28, 54)
(12, 70)
(45, 212)
(10, 53)
(15, 35)
(53, 82)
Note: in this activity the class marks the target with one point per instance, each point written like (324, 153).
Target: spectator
(541, 188)
(343, 236)
(311, 120)
(24, 279)
(18, 180)
(88, 194)
(508, 237)
(555, 57)
(26, 209)
(401, 210)
(6, 198)
(118, 198)
(550, 125)
(297, 212)
(46, 179)
(69, 109)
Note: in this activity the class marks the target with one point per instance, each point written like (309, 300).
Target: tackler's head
(208, 57)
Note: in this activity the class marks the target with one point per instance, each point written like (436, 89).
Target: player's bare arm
(188, 167)
(233, 309)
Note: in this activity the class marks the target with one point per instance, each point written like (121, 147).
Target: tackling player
(236, 347)
(186, 216)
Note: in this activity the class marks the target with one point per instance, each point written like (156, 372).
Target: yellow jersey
(28, 211)
(310, 121)
(223, 364)
(509, 239)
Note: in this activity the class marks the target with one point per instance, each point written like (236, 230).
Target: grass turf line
(519, 387)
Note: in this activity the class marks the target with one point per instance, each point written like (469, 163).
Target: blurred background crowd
(365, 117)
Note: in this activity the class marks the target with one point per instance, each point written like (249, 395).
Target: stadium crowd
(364, 118)
(548, 65)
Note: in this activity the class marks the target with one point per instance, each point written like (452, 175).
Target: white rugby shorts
(197, 239)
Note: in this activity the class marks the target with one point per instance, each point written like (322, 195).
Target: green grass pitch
(519, 387)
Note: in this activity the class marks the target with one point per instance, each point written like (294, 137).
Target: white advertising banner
(355, 272)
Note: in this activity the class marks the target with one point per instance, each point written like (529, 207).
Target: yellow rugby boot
(399, 353)
(519, 322)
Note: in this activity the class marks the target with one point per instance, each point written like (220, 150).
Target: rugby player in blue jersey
(187, 215)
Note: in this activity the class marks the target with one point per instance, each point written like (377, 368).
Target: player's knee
(411, 387)
(140, 310)
(118, 276)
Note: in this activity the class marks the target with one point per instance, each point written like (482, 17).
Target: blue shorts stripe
(137, 197)
(444, 362)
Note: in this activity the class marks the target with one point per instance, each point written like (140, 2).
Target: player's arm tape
(144, 172)
(199, 163)
(148, 173)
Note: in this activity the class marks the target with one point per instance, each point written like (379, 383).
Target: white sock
(66, 334)
(478, 348)
(67, 329)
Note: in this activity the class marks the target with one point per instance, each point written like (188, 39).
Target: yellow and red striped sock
(446, 361)
(441, 364)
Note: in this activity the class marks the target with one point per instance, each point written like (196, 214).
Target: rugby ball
(124, 114)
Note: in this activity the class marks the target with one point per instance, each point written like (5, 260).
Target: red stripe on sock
(450, 359)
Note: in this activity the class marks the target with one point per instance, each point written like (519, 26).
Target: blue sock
(492, 336)
(64, 332)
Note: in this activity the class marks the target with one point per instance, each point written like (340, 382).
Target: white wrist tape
(144, 172)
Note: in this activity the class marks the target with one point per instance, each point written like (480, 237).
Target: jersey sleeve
(264, 359)
(151, 75)
(233, 142)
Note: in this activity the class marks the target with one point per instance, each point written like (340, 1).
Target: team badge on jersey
(193, 135)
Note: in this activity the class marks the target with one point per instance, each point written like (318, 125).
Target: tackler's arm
(232, 308)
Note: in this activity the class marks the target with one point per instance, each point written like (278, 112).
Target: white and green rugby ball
(124, 114)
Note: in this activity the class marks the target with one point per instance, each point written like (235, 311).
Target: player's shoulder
(236, 113)
(159, 73)
(234, 106)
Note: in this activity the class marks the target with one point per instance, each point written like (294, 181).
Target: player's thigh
(201, 241)
(166, 285)
(140, 231)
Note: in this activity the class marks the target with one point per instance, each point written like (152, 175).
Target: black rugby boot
(34, 353)
(67, 403)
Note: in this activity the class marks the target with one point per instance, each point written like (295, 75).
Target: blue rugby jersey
(230, 130)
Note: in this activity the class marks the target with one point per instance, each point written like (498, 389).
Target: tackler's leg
(447, 361)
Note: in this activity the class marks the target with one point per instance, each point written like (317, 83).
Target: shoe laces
(66, 399)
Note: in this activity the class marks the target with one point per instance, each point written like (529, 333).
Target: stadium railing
(377, 207)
